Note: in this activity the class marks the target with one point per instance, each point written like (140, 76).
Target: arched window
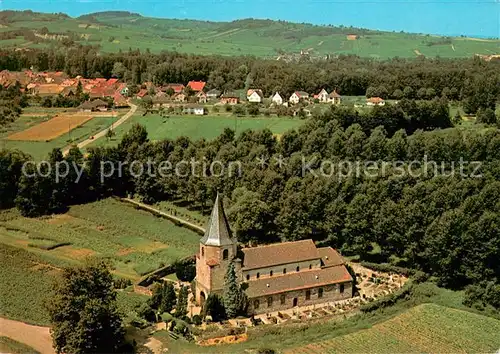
(310, 266)
(320, 293)
(248, 276)
(258, 275)
(269, 301)
(256, 304)
(225, 254)
(271, 273)
(283, 299)
(297, 269)
(284, 270)
(308, 294)
(203, 251)
(341, 288)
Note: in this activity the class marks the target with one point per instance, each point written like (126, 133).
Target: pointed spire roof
(217, 232)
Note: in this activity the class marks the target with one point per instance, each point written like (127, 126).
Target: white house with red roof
(197, 86)
(297, 96)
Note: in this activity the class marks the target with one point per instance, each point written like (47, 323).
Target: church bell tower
(217, 251)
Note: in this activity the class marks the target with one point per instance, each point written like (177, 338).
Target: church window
(284, 270)
(271, 273)
(248, 276)
(320, 293)
(225, 254)
(203, 251)
(308, 295)
(310, 266)
(283, 299)
(258, 275)
(341, 288)
(297, 269)
(269, 301)
(256, 304)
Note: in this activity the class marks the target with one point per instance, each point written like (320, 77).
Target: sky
(479, 18)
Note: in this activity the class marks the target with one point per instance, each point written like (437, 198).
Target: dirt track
(36, 337)
(103, 132)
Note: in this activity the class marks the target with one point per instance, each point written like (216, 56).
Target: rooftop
(217, 231)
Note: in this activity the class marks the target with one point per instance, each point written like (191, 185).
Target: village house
(277, 99)
(197, 86)
(201, 97)
(141, 94)
(298, 96)
(177, 88)
(161, 102)
(230, 98)
(213, 94)
(91, 106)
(254, 96)
(194, 109)
(180, 97)
(277, 277)
(375, 101)
(322, 96)
(48, 89)
(334, 98)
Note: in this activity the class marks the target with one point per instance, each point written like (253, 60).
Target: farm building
(277, 99)
(297, 96)
(194, 109)
(375, 101)
(255, 96)
(213, 94)
(277, 276)
(322, 96)
(96, 105)
(334, 98)
(201, 97)
(230, 98)
(197, 86)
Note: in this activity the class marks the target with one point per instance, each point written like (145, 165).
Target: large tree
(83, 311)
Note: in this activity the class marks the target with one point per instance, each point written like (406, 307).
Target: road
(36, 337)
(102, 133)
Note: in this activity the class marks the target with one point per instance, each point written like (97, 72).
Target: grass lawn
(39, 150)
(198, 127)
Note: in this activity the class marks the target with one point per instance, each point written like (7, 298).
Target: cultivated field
(198, 127)
(52, 128)
(114, 32)
(427, 328)
(40, 149)
(34, 250)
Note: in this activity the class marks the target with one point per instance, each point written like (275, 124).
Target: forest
(473, 81)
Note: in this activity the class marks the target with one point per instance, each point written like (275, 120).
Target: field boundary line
(37, 337)
(170, 217)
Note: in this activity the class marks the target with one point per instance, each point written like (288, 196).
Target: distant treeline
(473, 81)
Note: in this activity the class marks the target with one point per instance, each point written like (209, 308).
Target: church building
(278, 276)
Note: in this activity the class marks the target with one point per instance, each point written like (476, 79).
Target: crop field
(8, 345)
(52, 128)
(34, 250)
(115, 32)
(136, 241)
(427, 328)
(40, 149)
(198, 127)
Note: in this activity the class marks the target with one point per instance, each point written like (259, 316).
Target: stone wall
(330, 293)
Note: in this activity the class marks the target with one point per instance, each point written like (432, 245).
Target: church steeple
(217, 232)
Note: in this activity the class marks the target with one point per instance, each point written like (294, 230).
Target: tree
(253, 109)
(235, 300)
(457, 119)
(182, 301)
(83, 311)
(397, 94)
(214, 307)
(486, 116)
(408, 92)
(185, 270)
(168, 298)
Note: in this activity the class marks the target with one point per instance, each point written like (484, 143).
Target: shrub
(166, 317)
(388, 268)
(197, 320)
(185, 270)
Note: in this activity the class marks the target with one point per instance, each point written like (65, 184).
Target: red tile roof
(298, 280)
(280, 253)
(178, 88)
(197, 85)
(142, 93)
(375, 100)
(112, 81)
(330, 257)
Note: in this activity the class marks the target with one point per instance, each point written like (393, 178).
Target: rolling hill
(116, 30)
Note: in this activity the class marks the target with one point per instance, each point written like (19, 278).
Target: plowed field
(52, 128)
